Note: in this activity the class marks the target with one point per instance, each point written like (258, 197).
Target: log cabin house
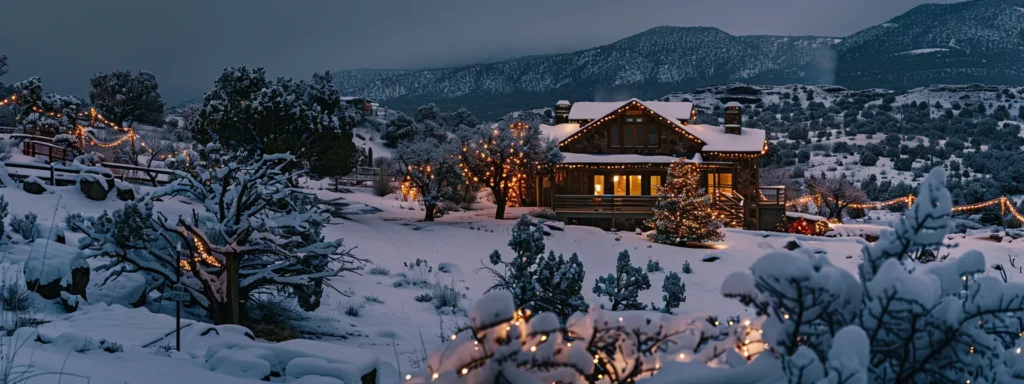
(617, 154)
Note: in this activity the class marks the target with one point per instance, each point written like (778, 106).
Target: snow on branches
(46, 114)
(433, 168)
(253, 234)
(503, 157)
(903, 322)
(506, 345)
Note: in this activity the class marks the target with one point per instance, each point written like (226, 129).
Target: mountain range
(979, 41)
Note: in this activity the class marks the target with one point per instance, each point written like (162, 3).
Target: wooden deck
(604, 206)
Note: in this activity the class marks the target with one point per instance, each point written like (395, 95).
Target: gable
(630, 129)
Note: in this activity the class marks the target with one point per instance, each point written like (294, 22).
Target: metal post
(177, 311)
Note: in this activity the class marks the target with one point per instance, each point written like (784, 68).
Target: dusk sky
(187, 43)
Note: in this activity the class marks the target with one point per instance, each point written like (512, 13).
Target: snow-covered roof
(561, 131)
(563, 102)
(749, 139)
(589, 158)
(733, 104)
(590, 110)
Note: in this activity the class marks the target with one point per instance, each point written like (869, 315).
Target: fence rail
(61, 175)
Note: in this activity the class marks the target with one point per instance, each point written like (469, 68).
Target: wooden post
(53, 175)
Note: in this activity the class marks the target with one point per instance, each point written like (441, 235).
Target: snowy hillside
(976, 41)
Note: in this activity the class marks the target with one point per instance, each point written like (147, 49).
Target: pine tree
(623, 288)
(683, 212)
(560, 285)
(124, 97)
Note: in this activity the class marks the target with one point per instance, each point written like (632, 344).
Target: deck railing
(604, 203)
(772, 195)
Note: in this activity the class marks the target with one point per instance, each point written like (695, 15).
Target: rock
(125, 191)
(47, 276)
(713, 256)
(35, 186)
(79, 277)
(93, 186)
(449, 268)
(70, 302)
(555, 225)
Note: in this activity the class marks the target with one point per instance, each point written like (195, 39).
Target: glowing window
(635, 182)
(598, 184)
(619, 185)
(655, 184)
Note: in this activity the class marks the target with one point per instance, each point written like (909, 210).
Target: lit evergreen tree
(683, 212)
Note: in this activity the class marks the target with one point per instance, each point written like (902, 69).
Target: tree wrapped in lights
(47, 114)
(503, 157)
(253, 235)
(684, 212)
(433, 169)
(900, 322)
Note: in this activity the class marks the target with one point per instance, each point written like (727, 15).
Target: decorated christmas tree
(683, 212)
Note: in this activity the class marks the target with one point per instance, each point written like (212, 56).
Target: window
(635, 184)
(652, 136)
(627, 136)
(634, 119)
(598, 184)
(719, 183)
(641, 136)
(655, 184)
(615, 133)
(619, 185)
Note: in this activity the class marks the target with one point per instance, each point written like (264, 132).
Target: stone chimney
(733, 117)
(562, 108)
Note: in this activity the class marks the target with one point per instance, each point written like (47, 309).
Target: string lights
(628, 105)
(203, 256)
(1005, 203)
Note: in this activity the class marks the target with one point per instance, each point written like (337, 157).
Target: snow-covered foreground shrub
(901, 323)
(506, 345)
(252, 235)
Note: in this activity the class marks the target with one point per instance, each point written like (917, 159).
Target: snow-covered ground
(391, 325)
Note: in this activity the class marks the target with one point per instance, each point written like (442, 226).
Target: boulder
(93, 186)
(35, 186)
(125, 191)
(49, 276)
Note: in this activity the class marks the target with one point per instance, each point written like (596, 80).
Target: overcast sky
(186, 43)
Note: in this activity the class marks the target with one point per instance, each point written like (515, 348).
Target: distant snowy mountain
(980, 41)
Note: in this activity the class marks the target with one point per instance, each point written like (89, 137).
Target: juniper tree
(675, 292)
(551, 284)
(124, 97)
(252, 235)
(683, 212)
(623, 288)
(433, 169)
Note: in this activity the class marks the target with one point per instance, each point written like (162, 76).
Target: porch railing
(772, 195)
(604, 203)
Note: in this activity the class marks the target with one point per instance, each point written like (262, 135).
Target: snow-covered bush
(506, 345)
(254, 235)
(623, 288)
(15, 297)
(25, 225)
(654, 266)
(687, 269)
(90, 159)
(536, 282)
(903, 322)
